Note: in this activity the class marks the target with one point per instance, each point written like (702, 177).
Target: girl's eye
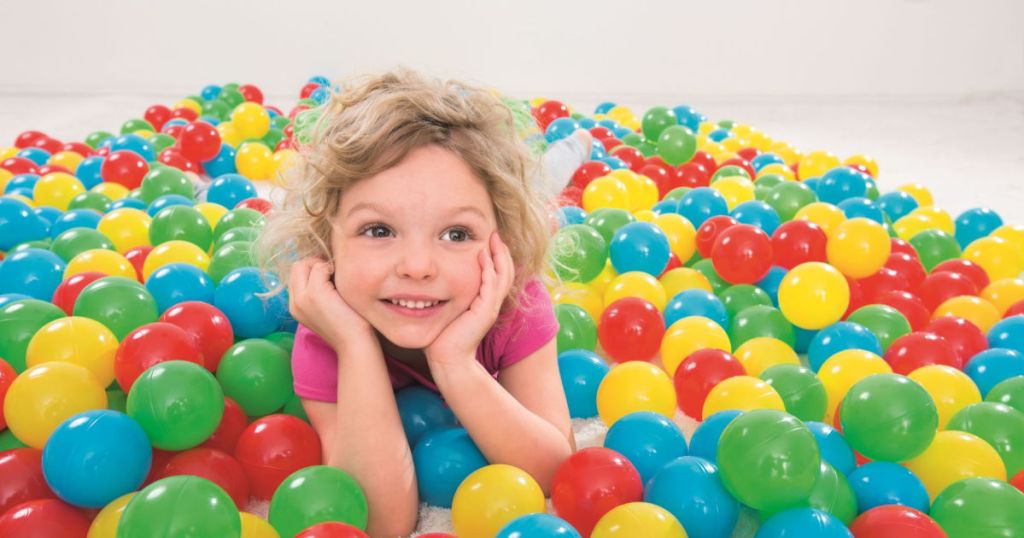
(373, 229)
(460, 235)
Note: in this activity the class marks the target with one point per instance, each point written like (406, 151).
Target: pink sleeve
(314, 367)
(530, 328)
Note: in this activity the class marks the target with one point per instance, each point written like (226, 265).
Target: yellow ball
(492, 496)
(816, 163)
(256, 527)
(82, 341)
(229, 134)
(114, 191)
(5, 176)
(684, 278)
(918, 192)
(826, 216)
(813, 295)
(787, 151)
(636, 284)
(282, 163)
(211, 212)
(996, 256)
(105, 524)
(44, 396)
(605, 192)
(638, 519)
(8, 152)
(635, 386)
(581, 295)
(100, 260)
(858, 247)
(28, 201)
(950, 388)
(688, 335)
(844, 369)
(1012, 233)
(67, 159)
(603, 279)
(56, 189)
(866, 160)
(682, 236)
(175, 251)
(758, 354)
(777, 169)
(954, 456)
(253, 160)
(645, 215)
(190, 104)
(620, 113)
(643, 191)
(908, 226)
(938, 216)
(126, 228)
(735, 189)
(251, 120)
(1004, 293)
(744, 393)
(978, 311)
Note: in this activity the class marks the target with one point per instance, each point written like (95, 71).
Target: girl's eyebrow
(380, 209)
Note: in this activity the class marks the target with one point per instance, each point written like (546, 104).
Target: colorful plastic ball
(538, 526)
(421, 411)
(44, 518)
(166, 201)
(178, 403)
(993, 366)
(788, 197)
(222, 163)
(631, 329)
(895, 520)
(75, 241)
(638, 519)
(590, 483)
(33, 272)
(124, 167)
(696, 302)
(43, 397)
(826, 216)
(813, 295)
(833, 447)
(251, 120)
(758, 214)
(802, 393)
(976, 310)
(741, 392)
(797, 242)
(742, 254)
(19, 322)
(230, 428)
(768, 459)
(76, 340)
(858, 247)
(688, 335)
(576, 329)
(976, 223)
(639, 246)
(1001, 426)
(560, 128)
(95, 457)
(493, 496)
(966, 338)
(740, 297)
(179, 282)
(844, 369)
(703, 507)
(250, 316)
(151, 344)
(100, 260)
(578, 253)
(761, 321)
(635, 386)
(176, 251)
(705, 439)
(272, 448)
(56, 190)
(950, 389)
(918, 349)
(702, 203)
(256, 373)
(18, 223)
(934, 247)
(648, 440)
(106, 522)
(256, 527)
(889, 417)
(188, 502)
(760, 353)
(1009, 392)
(334, 529)
(207, 325)
(884, 321)
(443, 459)
(216, 466)
(581, 372)
(676, 144)
(803, 522)
(698, 374)
(230, 189)
(709, 231)
(163, 181)
(120, 304)
(199, 141)
(606, 192)
(880, 483)
(979, 507)
(126, 228)
(955, 455)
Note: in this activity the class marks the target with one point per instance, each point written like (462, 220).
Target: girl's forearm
(503, 429)
(370, 443)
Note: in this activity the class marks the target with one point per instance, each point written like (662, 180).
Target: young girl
(413, 241)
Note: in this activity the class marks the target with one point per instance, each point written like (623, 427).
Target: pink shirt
(520, 333)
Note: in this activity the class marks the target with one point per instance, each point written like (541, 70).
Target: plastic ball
(843, 370)
(688, 335)
(634, 386)
(33, 272)
(421, 411)
(761, 321)
(493, 496)
(199, 141)
(126, 228)
(636, 284)
(273, 447)
(175, 251)
(44, 518)
(76, 340)
(880, 483)
(336, 529)
(18, 223)
(250, 316)
(590, 483)
(19, 322)
(702, 203)
(578, 253)
(124, 167)
(254, 160)
(803, 522)
(966, 338)
(978, 507)
(797, 242)
(894, 520)
(953, 456)
(833, 447)
(648, 440)
(1001, 426)
(826, 216)
(884, 321)
(216, 466)
(314, 495)
(680, 232)
(813, 295)
(1009, 392)
(993, 366)
(102, 261)
(180, 502)
(178, 403)
(704, 507)
(257, 375)
(741, 392)
(950, 389)
(582, 373)
(631, 329)
(256, 527)
(539, 526)
(758, 354)
(788, 197)
(576, 329)
(802, 393)
(443, 459)
(251, 120)
(889, 417)
(179, 282)
(858, 247)
(638, 519)
(23, 477)
(121, 304)
(639, 246)
(106, 522)
(230, 189)
(998, 257)
(742, 254)
(57, 190)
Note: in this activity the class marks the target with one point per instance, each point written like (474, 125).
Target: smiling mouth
(414, 305)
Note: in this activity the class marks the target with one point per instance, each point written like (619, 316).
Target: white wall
(572, 49)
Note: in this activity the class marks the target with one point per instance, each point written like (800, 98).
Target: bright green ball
(178, 403)
(257, 374)
(180, 506)
(889, 417)
(314, 495)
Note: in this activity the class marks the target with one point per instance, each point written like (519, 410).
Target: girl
(419, 242)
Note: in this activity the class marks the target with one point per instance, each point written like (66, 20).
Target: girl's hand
(459, 340)
(314, 301)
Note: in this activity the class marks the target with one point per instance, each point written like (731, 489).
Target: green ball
(676, 144)
(94, 138)
(241, 233)
(96, 201)
(800, 389)
(231, 96)
(178, 403)
(788, 197)
(161, 141)
(768, 460)
(578, 253)
(136, 124)
(163, 181)
(576, 329)
(758, 321)
(607, 220)
(979, 508)
(1009, 392)
(1000, 426)
(273, 137)
(706, 268)
(740, 297)
(180, 222)
(9, 442)
(229, 257)
(71, 243)
(934, 247)
(676, 193)
(314, 495)
(236, 218)
(889, 417)
(294, 408)
(633, 139)
(121, 304)
(19, 321)
(257, 374)
(731, 170)
(282, 339)
(656, 120)
(832, 493)
(180, 506)
(885, 322)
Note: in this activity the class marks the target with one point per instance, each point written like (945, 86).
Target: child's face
(415, 242)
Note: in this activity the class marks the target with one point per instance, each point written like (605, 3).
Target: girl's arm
(362, 435)
(521, 419)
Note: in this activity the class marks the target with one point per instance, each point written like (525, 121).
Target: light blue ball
(538, 526)
(696, 302)
(691, 489)
(560, 128)
(222, 163)
(896, 204)
(19, 224)
(581, 372)
(702, 203)
(88, 171)
(1008, 333)
(422, 410)
(878, 483)
(75, 218)
(833, 447)
(838, 337)
(569, 215)
(443, 459)
(229, 189)
(34, 272)
(251, 316)
(771, 282)
(758, 214)
(134, 143)
(976, 223)
(179, 282)
(803, 523)
(862, 208)
(841, 183)
(704, 441)
(640, 246)
(648, 440)
(993, 366)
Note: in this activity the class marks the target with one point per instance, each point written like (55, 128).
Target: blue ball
(640, 246)
(320, 95)
(587, 123)
(615, 163)
(841, 183)
(75, 218)
(719, 134)
(757, 213)
(210, 92)
(648, 440)
(222, 163)
(443, 459)
(134, 143)
(251, 316)
(167, 200)
(691, 489)
(36, 155)
(896, 204)
(704, 441)
(34, 272)
(878, 483)
(171, 123)
(801, 523)
(689, 117)
(49, 214)
(838, 337)
(804, 337)
(976, 223)
(765, 159)
(666, 206)
(20, 183)
(560, 128)
(133, 203)
(19, 224)
(95, 457)
(696, 302)
(993, 366)
(319, 79)
(597, 151)
(88, 171)
(1008, 333)
(421, 411)
(862, 208)
(215, 122)
(582, 372)
(771, 282)
(702, 203)
(179, 282)
(229, 189)
(604, 107)
(538, 526)
(833, 447)
(569, 215)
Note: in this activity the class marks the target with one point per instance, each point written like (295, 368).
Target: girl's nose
(416, 263)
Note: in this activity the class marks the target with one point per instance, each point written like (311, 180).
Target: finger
(299, 275)
(320, 275)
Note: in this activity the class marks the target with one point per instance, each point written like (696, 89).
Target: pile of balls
(855, 357)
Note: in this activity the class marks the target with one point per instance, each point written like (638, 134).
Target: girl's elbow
(547, 477)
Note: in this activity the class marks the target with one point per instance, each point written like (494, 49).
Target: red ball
(78, 147)
(909, 305)
(892, 520)
(23, 481)
(673, 263)
(571, 195)
(152, 344)
(742, 163)
(251, 93)
(600, 131)
(631, 329)
(589, 171)
(709, 231)
(967, 268)
(698, 374)
(51, 145)
(173, 157)
(216, 466)
(19, 165)
(185, 113)
(124, 167)
(160, 460)
(937, 288)
(631, 156)
(232, 424)
(856, 296)
(742, 254)
(705, 159)
(137, 257)
(549, 111)
(7, 375)
(662, 175)
(965, 337)
(259, 204)
(1015, 309)
(908, 266)
(44, 518)
(798, 241)
(174, 131)
(748, 154)
(67, 292)
(308, 90)
(273, 447)
(157, 116)
(199, 141)
(333, 529)
(27, 138)
(207, 325)
(898, 245)
(610, 143)
(915, 350)
(881, 283)
(51, 168)
(693, 175)
(592, 482)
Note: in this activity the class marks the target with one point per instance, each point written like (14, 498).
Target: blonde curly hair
(369, 125)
